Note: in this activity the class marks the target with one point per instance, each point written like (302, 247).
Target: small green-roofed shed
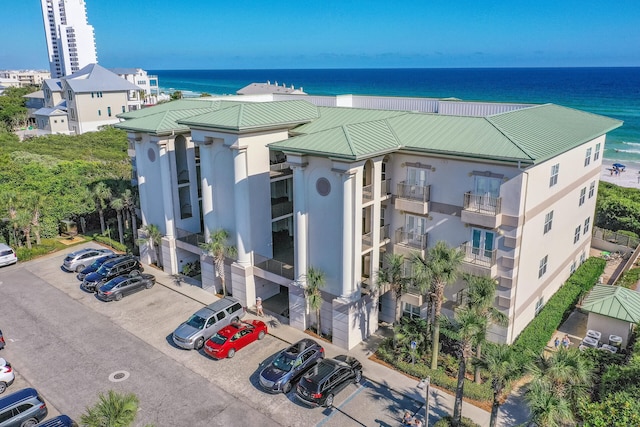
(613, 310)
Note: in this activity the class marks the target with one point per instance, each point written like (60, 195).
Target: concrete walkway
(513, 412)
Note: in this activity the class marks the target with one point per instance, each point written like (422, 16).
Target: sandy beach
(629, 178)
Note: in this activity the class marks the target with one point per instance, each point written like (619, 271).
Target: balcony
(413, 198)
(385, 188)
(482, 210)
(280, 207)
(478, 261)
(276, 267)
(190, 238)
(279, 169)
(367, 193)
(408, 243)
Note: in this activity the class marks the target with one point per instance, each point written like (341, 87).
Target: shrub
(110, 242)
(533, 339)
(629, 278)
(448, 421)
(46, 246)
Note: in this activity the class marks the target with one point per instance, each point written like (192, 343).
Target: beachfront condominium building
(146, 82)
(71, 43)
(338, 183)
(85, 101)
(26, 77)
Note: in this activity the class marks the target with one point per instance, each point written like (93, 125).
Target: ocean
(613, 92)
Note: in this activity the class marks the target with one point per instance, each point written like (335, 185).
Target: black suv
(96, 265)
(127, 264)
(323, 381)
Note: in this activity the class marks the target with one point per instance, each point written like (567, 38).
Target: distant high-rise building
(70, 39)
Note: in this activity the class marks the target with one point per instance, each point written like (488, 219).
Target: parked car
(232, 338)
(2, 343)
(96, 265)
(6, 375)
(319, 385)
(127, 264)
(122, 286)
(23, 408)
(78, 260)
(207, 321)
(7, 255)
(59, 421)
(289, 365)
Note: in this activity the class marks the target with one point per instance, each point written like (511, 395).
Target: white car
(6, 375)
(7, 255)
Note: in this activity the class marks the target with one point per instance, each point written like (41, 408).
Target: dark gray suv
(127, 264)
(289, 365)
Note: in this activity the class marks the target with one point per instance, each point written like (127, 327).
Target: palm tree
(394, 274)
(36, 202)
(315, 282)
(101, 194)
(481, 294)
(499, 363)
(464, 328)
(218, 248)
(547, 408)
(112, 410)
(118, 205)
(154, 239)
(129, 198)
(12, 201)
(438, 269)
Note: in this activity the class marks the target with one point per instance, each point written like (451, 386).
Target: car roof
(18, 396)
(59, 421)
(300, 346)
(232, 329)
(3, 246)
(112, 262)
(81, 251)
(222, 303)
(323, 369)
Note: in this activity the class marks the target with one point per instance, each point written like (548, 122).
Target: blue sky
(251, 34)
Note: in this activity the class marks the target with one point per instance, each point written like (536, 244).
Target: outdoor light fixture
(424, 384)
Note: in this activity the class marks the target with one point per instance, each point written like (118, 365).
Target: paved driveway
(68, 343)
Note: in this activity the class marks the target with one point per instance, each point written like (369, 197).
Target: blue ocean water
(613, 92)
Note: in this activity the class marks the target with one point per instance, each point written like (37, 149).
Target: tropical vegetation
(219, 249)
(113, 409)
(315, 281)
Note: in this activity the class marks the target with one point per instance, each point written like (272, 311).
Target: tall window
(409, 310)
(543, 266)
(548, 221)
(539, 305)
(109, 111)
(587, 223)
(483, 243)
(555, 169)
(415, 226)
(596, 154)
(587, 157)
(572, 269)
(583, 257)
(583, 194)
(576, 235)
(592, 189)
(416, 176)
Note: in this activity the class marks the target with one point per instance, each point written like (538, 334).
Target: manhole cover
(118, 376)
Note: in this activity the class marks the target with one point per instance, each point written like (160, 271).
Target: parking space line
(347, 400)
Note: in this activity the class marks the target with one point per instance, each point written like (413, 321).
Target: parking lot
(67, 343)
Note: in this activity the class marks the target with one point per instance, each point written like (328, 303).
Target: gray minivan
(23, 408)
(204, 323)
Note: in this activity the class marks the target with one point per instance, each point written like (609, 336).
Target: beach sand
(629, 178)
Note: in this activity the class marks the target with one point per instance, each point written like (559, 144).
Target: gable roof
(613, 301)
(54, 85)
(95, 78)
(162, 122)
(256, 115)
(179, 104)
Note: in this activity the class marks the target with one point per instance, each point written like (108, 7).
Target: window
(123, 110)
(410, 311)
(587, 157)
(99, 113)
(555, 169)
(548, 221)
(92, 94)
(586, 225)
(70, 95)
(583, 257)
(583, 193)
(596, 154)
(109, 111)
(576, 235)
(573, 267)
(483, 244)
(592, 189)
(543, 266)
(539, 305)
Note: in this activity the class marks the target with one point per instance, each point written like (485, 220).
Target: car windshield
(284, 362)
(218, 339)
(97, 263)
(8, 252)
(103, 270)
(196, 321)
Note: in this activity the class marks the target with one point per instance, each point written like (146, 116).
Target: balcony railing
(414, 191)
(385, 232)
(190, 237)
(385, 187)
(478, 256)
(367, 193)
(367, 240)
(411, 238)
(483, 204)
(277, 267)
(279, 209)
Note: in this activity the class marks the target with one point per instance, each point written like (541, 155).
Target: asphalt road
(68, 345)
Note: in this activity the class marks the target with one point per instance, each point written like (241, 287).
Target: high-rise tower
(70, 39)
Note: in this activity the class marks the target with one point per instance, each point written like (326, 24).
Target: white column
(375, 220)
(167, 190)
(348, 284)
(241, 205)
(206, 175)
(143, 184)
(300, 223)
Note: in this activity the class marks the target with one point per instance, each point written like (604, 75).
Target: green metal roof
(331, 117)
(614, 301)
(544, 131)
(180, 104)
(161, 122)
(253, 115)
(529, 135)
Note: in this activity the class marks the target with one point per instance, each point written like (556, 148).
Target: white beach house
(336, 182)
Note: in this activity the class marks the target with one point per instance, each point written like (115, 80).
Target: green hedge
(47, 246)
(479, 392)
(533, 339)
(114, 244)
(448, 421)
